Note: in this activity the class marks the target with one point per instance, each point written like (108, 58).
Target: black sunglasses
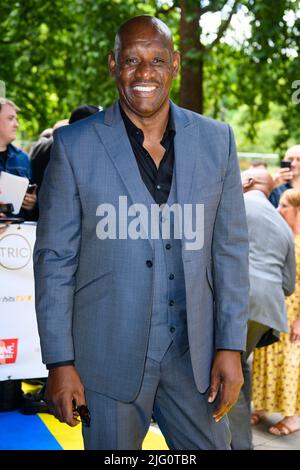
(84, 414)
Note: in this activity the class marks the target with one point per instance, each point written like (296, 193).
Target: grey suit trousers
(168, 390)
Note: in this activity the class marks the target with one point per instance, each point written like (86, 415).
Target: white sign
(20, 354)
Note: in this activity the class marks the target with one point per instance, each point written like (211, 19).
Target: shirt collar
(138, 134)
(12, 150)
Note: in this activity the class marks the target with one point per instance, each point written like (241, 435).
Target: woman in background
(276, 368)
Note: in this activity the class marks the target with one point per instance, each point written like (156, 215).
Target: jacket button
(171, 303)
(168, 246)
(171, 277)
(172, 329)
(149, 263)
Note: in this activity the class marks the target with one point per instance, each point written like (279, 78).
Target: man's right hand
(283, 175)
(64, 386)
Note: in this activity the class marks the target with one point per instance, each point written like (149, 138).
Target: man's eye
(131, 61)
(158, 60)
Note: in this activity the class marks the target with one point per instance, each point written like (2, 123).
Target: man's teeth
(144, 88)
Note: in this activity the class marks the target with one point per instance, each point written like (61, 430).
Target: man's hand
(283, 175)
(295, 331)
(64, 386)
(2, 227)
(227, 373)
(29, 201)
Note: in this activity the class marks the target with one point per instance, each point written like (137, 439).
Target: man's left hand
(29, 201)
(227, 373)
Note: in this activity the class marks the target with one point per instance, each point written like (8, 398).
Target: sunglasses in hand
(84, 413)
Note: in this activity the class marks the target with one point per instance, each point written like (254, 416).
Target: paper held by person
(12, 190)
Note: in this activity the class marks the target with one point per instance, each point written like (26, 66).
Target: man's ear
(176, 63)
(112, 64)
(248, 183)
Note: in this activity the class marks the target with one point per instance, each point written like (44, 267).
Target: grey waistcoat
(168, 321)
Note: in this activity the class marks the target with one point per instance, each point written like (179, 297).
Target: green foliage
(260, 73)
(53, 57)
(53, 54)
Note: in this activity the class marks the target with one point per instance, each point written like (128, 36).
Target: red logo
(8, 350)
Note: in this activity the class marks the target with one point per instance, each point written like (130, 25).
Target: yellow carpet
(71, 438)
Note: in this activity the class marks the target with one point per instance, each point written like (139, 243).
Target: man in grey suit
(272, 277)
(136, 320)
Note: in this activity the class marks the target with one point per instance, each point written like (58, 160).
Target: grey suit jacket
(271, 262)
(93, 297)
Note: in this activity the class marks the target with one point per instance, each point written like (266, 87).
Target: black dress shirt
(157, 180)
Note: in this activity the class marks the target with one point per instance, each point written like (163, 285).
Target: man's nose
(144, 70)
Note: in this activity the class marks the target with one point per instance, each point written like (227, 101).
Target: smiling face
(287, 211)
(144, 65)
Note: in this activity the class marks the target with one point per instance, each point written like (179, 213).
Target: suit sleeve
(289, 271)
(230, 255)
(56, 256)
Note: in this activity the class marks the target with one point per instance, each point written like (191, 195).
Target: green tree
(53, 56)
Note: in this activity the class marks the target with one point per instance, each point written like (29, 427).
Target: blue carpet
(21, 432)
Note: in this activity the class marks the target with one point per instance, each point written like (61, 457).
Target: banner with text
(20, 354)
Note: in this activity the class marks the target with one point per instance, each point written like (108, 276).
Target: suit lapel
(186, 148)
(190, 157)
(114, 138)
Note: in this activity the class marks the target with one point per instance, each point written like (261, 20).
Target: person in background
(83, 111)
(3, 226)
(272, 276)
(40, 155)
(43, 137)
(276, 368)
(12, 159)
(258, 164)
(287, 178)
